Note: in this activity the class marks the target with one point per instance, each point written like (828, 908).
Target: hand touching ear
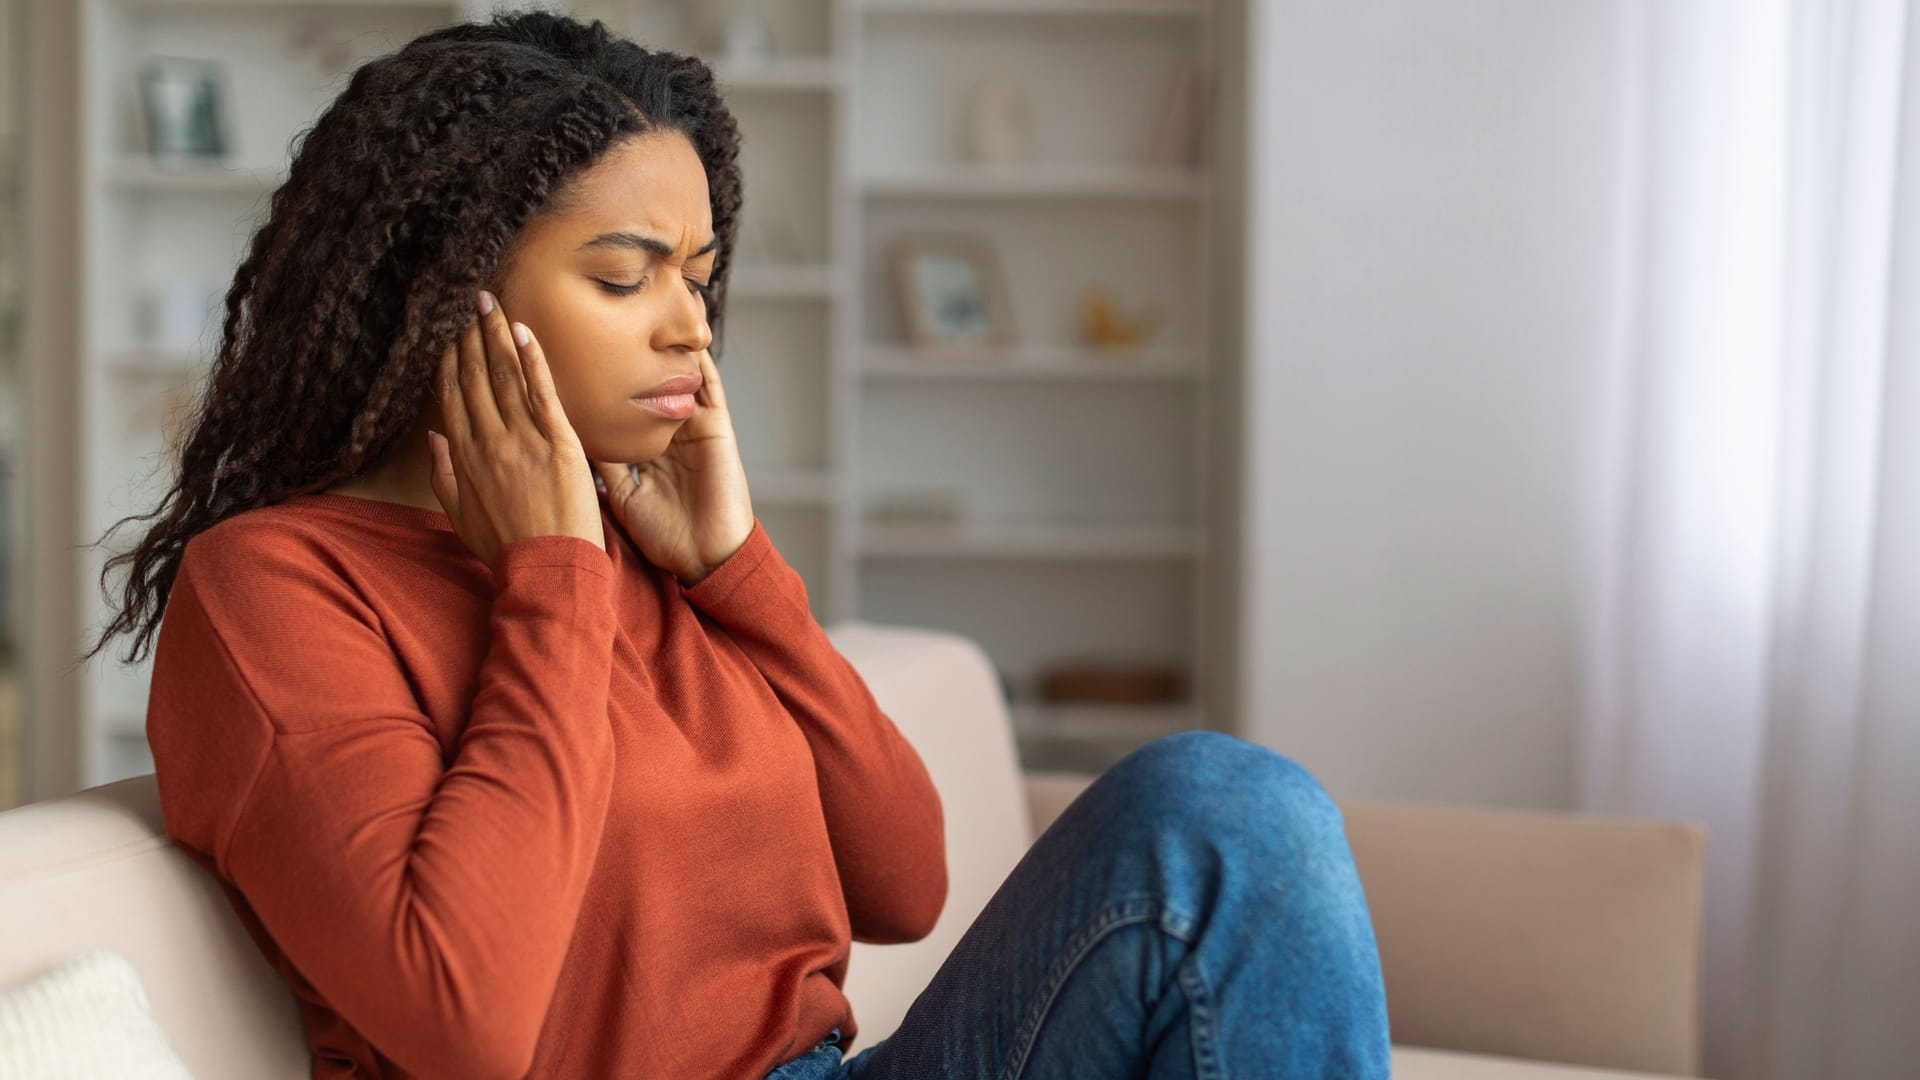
(509, 464)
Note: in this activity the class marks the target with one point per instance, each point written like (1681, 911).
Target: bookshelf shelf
(139, 174)
(1038, 362)
(438, 7)
(1089, 9)
(1007, 541)
(1037, 182)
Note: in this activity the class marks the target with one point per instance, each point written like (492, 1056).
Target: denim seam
(1126, 912)
(1200, 1020)
(1200, 1017)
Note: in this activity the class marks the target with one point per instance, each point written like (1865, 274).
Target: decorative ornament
(1104, 324)
(999, 123)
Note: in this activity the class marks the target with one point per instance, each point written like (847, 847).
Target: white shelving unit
(1083, 470)
(13, 281)
(145, 226)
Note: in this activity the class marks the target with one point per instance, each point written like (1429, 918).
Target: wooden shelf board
(1027, 362)
(141, 174)
(1091, 8)
(1038, 182)
(449, 6)
(996, 541)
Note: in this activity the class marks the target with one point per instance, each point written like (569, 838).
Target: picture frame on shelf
(183, 102)
(950, 290)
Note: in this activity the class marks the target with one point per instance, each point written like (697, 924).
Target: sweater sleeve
(429, 899)
(883, 813)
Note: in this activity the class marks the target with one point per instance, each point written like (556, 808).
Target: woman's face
(605, 277)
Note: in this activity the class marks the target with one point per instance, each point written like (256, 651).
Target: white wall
(1429, 204)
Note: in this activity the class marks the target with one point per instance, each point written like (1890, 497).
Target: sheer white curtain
(1753, 660)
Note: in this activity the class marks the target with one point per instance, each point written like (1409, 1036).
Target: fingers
(476, 380)
(445, 487)
(453, 403)
(503, 364)
(542, 398)
(619, 480)
(711, 389)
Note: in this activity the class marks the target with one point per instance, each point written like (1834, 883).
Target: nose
(685, 325)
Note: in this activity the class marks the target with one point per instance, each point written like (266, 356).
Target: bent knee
(1206, 772)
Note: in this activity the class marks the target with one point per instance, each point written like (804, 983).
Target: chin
(633, 447)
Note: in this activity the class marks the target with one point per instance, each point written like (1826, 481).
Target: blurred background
(1481, 401)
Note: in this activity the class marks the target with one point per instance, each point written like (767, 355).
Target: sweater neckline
(392, 513)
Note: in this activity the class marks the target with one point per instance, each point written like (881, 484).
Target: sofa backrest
(1535, 934)
(96, 870)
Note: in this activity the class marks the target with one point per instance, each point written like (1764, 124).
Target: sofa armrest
(1555, 937)
(1558, 937)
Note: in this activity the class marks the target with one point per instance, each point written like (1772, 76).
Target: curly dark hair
(402, 200)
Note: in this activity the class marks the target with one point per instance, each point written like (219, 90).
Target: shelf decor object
(1104, 325)
(1111, 682)
(950, 290)
(1177, 138)
(184, 102)
(999, 122)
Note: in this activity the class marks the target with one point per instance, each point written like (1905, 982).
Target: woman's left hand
(687, 510)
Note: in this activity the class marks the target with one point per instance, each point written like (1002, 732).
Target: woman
(517, 760)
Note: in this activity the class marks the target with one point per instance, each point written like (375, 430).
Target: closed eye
(621, 290)
(705, 290)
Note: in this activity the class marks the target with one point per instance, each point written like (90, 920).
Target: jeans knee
(1220, 780)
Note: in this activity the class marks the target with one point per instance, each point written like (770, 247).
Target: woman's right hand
(509, 465)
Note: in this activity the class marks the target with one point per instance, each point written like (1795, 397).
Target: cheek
(573, 336)
(590, 367)
(596, 366)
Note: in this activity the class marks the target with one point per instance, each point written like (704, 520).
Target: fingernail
(520, 334)
(486, 301)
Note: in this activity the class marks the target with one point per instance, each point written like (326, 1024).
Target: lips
(679, 384)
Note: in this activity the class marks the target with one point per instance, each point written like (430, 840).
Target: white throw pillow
(85, 1020)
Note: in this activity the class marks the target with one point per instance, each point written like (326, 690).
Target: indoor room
(796, 539)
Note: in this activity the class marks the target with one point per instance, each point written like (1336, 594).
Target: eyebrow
(642, 243)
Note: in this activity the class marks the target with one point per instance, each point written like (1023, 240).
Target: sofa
(1515, 945)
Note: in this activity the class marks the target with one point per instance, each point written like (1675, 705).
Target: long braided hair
(402, 199)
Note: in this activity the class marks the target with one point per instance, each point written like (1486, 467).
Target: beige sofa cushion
(1412, 1063)
(1537, 935)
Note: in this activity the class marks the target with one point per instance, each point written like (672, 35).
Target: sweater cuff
(536, 552)
(711, 591)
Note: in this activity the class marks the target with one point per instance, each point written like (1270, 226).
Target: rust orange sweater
(574, 820)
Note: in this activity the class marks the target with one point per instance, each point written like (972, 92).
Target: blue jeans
(1194, 913)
